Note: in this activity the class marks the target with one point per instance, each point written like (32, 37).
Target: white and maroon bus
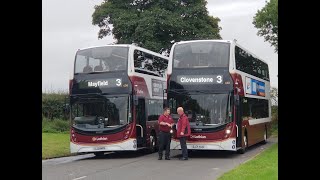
(116, 96)
(225, 91)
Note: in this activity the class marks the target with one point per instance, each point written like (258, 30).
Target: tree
(155, 24)
(274, 96)
(266, 20)
(274, 108)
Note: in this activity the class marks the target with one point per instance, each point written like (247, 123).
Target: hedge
(53, 105)
(55, 126)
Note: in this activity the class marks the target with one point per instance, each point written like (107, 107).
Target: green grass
(262, 167)
(274, 132)
(55, 145)
(55, 126)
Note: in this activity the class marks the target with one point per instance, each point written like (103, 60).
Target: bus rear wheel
(265, 136)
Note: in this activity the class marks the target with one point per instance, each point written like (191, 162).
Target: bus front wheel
(152, 144)
(245, 141)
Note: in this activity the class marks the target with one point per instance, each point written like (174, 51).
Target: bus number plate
(198, 146)
(99, 148)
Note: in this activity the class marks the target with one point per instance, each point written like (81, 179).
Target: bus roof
(119, 45)
(224, 41)
(207, 40)
(127, 45)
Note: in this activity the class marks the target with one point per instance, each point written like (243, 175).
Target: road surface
(206, 165)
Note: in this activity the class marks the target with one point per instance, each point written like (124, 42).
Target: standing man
(183, 131)
(165, 124)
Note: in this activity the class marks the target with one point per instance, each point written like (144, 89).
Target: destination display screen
(200, 79)
(101, 83)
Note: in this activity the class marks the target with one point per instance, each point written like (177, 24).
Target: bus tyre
(265, 136)
(152, 144)
(245, 141)
(98, 154)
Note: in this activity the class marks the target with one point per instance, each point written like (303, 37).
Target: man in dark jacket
(183, 131)
(165, 124)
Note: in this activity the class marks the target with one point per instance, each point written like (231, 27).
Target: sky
(67, 27)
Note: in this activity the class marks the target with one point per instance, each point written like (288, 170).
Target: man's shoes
(183, 159)
(167, 158)
(160, 158)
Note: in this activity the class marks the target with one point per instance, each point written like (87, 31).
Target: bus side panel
(251, 134)
(255, 133)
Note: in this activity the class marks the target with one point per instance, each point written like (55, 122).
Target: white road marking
(80, 177)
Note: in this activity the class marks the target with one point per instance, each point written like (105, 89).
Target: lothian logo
(99, 139)
(198, 136)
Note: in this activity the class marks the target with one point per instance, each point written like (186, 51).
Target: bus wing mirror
(237, 100)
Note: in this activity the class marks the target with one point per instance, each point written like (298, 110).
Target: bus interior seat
(98, 68)
(87, 69)
(187, 61)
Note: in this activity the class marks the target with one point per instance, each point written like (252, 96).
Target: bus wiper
(210, 124)
(215, 124)
(87, 95)
(208, 92)
(204, 92)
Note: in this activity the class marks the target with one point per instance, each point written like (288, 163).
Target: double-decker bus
(116, 96)
(225, 91)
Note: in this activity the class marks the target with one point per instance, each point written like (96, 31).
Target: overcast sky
(66, 27)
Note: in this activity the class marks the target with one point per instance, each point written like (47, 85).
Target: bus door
(141, 122)
(238, 120)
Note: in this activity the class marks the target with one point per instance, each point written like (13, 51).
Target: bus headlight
(227, 131)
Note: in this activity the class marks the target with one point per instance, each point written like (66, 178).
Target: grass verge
(55, 145)
(262, 167)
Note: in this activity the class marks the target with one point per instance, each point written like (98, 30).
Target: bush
(274, 120)
(55, 126)
(274, 114)
(53, 106)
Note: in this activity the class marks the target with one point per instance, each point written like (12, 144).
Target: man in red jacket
(165, 124)
(183, 131)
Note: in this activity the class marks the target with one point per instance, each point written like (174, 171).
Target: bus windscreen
(101, 112)
(209, 109)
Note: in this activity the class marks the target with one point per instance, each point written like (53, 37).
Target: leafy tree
(274, 96)
(155, 24)
(274, 109)
(266, 20)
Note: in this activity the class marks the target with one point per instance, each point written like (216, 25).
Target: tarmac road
(206, 165)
